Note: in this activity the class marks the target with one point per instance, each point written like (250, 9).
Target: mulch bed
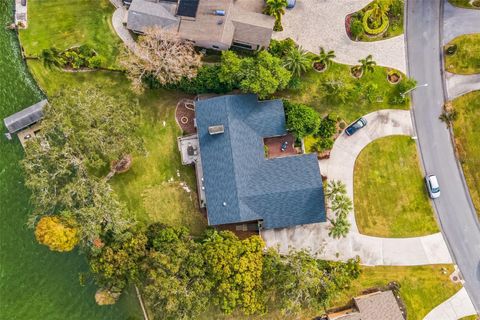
(185, 115)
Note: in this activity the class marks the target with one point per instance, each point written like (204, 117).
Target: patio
(274, 146)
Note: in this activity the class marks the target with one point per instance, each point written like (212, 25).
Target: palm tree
(448, 117)
(324, 57)
(276, 8)
(335, 188)
(367, 64)
(340, 228)
(341, 205)
(296, 61)
(50, 58)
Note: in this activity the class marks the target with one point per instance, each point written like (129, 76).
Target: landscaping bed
(466, 137)
(389, 192)
(376, 21)
(462, 54)
(336, 91)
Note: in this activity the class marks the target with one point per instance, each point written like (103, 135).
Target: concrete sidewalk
(456, 307)
(372, 250)
(321, 23)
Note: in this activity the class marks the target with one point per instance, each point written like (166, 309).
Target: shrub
(206, 81)
(374, 31)
(56, 234)
(327, 127)
(279, 48)
(356, 28)
(396, 8)
(96, 62)
(301, 119)
(324, 144)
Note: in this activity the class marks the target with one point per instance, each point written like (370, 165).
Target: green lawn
(313, 92)
(467, 136)
(395, 27)
(390, 196)
(466, 60)
(465, 4)
(64, 23)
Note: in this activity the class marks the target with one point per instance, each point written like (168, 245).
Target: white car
(432, 186)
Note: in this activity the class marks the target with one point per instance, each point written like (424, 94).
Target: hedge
(378, 30)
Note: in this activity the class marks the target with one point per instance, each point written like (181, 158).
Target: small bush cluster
(374, 26)
(73, 58)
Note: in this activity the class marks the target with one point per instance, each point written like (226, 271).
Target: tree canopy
(301, 119)
(56, 234)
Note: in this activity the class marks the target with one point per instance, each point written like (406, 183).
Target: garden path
(424, 250)
(321, 23)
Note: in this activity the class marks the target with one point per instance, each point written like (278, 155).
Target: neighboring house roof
(25, 117)
(374, 306)
(240, 183)
(143, 14)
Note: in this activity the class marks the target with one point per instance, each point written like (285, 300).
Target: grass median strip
(466, 58)
(467, 134)
(389, 193)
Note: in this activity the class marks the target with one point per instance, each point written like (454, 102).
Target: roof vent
(219, 12)
(216, 129)
(224, 204)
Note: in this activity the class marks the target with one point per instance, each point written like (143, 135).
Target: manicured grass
(466, 60)
(467, 134)
(66, 23)
(422, 288)
(395, 27)
(312, 92)
(465, 4)
(389, 193)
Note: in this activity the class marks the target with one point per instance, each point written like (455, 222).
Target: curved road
(454, 208)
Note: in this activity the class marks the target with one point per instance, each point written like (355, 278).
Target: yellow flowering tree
(56, 234)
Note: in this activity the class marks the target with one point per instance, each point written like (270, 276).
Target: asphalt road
(454, 208)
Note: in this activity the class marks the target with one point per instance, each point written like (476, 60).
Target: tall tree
(264, 75)
(301, 119)
(100, 128)
(276, 9)
(58, 235)
(235, 268)
(297, 61)
(163, 55)
(176, 285)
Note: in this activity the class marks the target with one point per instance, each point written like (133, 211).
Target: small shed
(25, 118)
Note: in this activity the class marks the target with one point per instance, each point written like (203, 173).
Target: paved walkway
(372, 250)
(456, 307)
(459, 84)
(120, 29)
(458, 21)
(321, 23)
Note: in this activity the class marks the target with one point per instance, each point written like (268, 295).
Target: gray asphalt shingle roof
(143, 14)
(240, 183)
(25, 117)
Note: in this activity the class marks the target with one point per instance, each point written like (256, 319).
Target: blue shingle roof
(240, 183)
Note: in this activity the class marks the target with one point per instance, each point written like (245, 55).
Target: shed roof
(25, 117)
(240, 183)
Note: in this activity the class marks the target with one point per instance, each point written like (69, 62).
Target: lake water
(35, 283)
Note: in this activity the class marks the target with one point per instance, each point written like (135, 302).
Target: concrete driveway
(456, 307)
(459, 84)
(372, 250)
(321, 23)
(458, 21)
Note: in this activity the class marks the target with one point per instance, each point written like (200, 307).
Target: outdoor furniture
(283, 148)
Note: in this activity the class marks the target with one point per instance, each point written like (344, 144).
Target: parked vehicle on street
(432, 186)
(354, 127)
